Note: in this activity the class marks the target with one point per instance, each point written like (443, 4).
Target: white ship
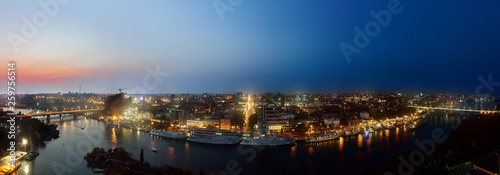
(390, 127)
(351, 133)
(426, 115)
(267, 141)
(322, 138)
(220, 140)
(168, 134)
(214, 136)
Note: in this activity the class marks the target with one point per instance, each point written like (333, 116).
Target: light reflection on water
(293, 151)
(397, 136)
(386, 135)
(171, 153)
(369, 139)
(113, 137)
(341, 143)
(360, 140)
(310, 150)
(344, 154)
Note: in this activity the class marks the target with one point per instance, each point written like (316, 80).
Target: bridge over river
(59, 114)
(455, 109)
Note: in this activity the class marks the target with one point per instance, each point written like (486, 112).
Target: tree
(302, 128)
(163, 125)
(238, 119)
(252, 120)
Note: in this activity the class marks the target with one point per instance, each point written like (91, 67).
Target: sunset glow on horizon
(258, 46)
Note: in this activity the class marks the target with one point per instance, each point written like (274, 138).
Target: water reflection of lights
(113, 137)
(360, 140)
(171, 153)
(397, 136)
(386, 133)
(310, 150)
(369, 140)
(293, 151)
(153, 145)
(341, 144)
(26, 169)
(186, 147)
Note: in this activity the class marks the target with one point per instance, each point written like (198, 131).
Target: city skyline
(255, 47)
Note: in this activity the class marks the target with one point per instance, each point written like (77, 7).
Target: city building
(178, 115)
(332, 121)
(262, 126)
(225, 124)
(278, 122)
(364, 115)
(194, 123)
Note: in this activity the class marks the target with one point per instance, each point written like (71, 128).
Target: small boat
(31, 155)
(154, 149)
(97, 170)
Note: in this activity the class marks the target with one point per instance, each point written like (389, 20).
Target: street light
(24, 143)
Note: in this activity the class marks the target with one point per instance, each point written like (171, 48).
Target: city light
(250, 87)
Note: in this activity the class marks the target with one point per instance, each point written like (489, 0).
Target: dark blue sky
(259, 46)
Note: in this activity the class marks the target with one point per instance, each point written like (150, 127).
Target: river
(342, 156)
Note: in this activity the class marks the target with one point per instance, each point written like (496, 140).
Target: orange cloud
(49, 74)
(62, 74)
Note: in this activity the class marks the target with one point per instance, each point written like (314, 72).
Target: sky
(220, 46)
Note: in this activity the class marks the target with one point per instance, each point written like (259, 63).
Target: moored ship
(322, 138)
(267, 141)
(214, 136)
(219, 140)
(390, 127)
(168, 134)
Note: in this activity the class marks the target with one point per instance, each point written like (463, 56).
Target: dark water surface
(342, 156)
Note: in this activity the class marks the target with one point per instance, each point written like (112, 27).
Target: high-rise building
(278, 122)
(225, 124)
(262, 126)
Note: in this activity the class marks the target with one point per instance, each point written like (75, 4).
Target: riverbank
(119, 161)
(477, 135)
(38, 131)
